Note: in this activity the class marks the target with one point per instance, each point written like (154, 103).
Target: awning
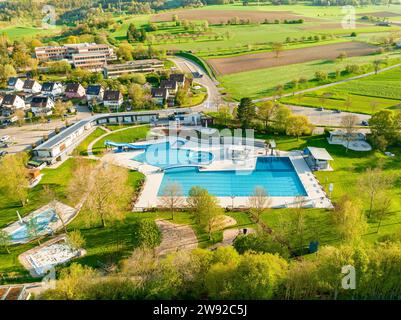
(319, 153)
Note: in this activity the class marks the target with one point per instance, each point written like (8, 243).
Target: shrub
(147, 234)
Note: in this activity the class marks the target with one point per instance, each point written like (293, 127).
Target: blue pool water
(275, 174)
(42, 220)
(163, 155)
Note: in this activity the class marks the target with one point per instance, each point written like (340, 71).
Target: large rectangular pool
(276, 175)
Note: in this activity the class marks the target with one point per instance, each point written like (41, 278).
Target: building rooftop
(72, 87)
(93, 90)
(112, 95)
(319, 153)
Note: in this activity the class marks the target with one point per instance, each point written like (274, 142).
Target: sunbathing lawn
(128, 135)
(82, 149)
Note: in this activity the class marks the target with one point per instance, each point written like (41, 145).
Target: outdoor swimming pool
(276, 175)
(42, 222)
(163, 155)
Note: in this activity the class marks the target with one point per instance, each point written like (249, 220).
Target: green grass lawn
(83, 147)
(128, 135)
(367, 95)
(19, 32)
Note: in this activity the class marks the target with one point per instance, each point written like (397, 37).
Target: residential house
(32, 86)
(74, 91)
(11, 103)
(170, 85)
(112, 99)
(42, 105)
(179, 78)
(15, 84)
(52, 89)
(94, 93)
(159, 95)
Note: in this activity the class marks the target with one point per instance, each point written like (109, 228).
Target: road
(23, 137)
(213, 93)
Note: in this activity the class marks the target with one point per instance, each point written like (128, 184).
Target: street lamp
(232, 202)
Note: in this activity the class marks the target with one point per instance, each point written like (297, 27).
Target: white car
(4, 139)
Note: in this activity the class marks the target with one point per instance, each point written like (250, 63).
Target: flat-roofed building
(137, 66)
(91, 61)
(90, 56)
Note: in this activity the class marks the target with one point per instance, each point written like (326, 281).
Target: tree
(298, 125)
(75, 240)
(281, 118)
(181, 97)
(5, 240)
(205, 208)
(147, 234)
(372, 183)
(20, 114)
(266, 112)
(224, 115)
(14, 177)
(60, 107)
(260, 242)
(383, 207)
(246, 112)
(376, 65)
(136, 94)
(277, 48)
(108, 184)
(348, 219)
(349, 122)
(259, 201)
(387, 124)
(172, 197)
(124, 52)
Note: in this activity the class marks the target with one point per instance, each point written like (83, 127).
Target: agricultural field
(237, 29)
(249, 62)
(265, 80)
(367, 95)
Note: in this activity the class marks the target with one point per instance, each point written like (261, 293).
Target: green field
(20, 32)
(244, 38)
(264, 81)
(367, 95)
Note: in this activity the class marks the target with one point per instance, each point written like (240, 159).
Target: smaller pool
(162, 155)
(42, 221)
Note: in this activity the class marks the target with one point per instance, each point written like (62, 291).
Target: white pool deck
(316, 197)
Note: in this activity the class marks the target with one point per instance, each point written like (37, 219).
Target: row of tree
(226, 274)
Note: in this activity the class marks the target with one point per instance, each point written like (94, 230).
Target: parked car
(320, 109)
(365, 123)
(337, 111)
(3, 153)
(4, 139)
